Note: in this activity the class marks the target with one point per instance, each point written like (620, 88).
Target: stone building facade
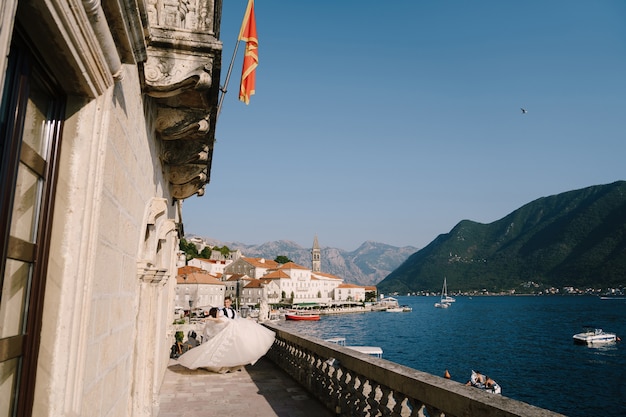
(350, 292)
(198, 291)
(107, 123)
(252, 267)
(211, 266)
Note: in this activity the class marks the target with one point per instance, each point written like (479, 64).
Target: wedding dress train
(230, 345)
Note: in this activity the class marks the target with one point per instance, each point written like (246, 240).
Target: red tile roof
(254, 283)
(325, 275)
(276, 275)
(235, 277)
(350, 286)
(292, 265)
(261, 262)
(198, 278)
(184, 270)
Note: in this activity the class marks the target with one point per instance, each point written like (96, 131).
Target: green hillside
(577, 239)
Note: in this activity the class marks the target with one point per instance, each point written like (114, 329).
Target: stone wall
(105, 325)
(125, 166)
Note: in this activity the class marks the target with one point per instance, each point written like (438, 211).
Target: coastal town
(263, 288)
(259, 286)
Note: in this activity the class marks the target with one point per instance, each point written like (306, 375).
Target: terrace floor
(259, 390)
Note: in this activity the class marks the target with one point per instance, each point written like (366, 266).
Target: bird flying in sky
(524, 111)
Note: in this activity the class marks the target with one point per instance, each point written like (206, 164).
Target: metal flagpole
(223, 89)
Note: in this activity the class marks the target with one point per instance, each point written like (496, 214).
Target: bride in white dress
(228, 344)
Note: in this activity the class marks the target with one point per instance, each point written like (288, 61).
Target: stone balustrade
(351, 383)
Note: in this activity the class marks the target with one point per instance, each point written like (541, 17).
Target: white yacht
(595, 337)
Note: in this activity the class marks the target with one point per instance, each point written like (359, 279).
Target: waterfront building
(304, 286)
(350, 292)
(107, 123)
(257, 290)
(199, 290)
(285, 283)
(234, 284)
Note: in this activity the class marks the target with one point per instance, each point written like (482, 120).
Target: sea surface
(523, 342)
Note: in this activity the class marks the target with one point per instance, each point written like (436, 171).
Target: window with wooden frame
(31, 119)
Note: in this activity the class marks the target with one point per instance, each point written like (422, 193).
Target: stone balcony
(305, 376)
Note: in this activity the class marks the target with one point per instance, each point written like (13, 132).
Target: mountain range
(573, 239)
(577, 239)
(367, 265)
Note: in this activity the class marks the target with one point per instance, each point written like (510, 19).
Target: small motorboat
(387, 304)
(368, 350)
(484, 383)
(595, 337)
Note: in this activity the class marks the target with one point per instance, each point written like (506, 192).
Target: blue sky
(393, 121)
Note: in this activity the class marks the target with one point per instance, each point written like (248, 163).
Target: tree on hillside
(282, 259)
(206, 253)
(189, 248)
(224, 250)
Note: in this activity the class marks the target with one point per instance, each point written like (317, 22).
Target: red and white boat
(302, 316)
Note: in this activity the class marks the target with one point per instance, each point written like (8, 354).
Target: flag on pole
(251, 55)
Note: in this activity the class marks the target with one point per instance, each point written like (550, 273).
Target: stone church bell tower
(316, 256)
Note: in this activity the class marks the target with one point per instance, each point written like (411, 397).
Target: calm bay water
(524, 343)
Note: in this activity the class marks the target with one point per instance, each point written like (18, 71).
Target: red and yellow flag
(251, 55)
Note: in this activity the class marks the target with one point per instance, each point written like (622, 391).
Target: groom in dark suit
(228, 310)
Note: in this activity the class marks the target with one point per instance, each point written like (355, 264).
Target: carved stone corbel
(182, 174)
(177, 123)
(181, 74)
(183, 191)
(185, 152)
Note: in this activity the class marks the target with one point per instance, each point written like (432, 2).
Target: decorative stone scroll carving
(181, 74)
(167, 78)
